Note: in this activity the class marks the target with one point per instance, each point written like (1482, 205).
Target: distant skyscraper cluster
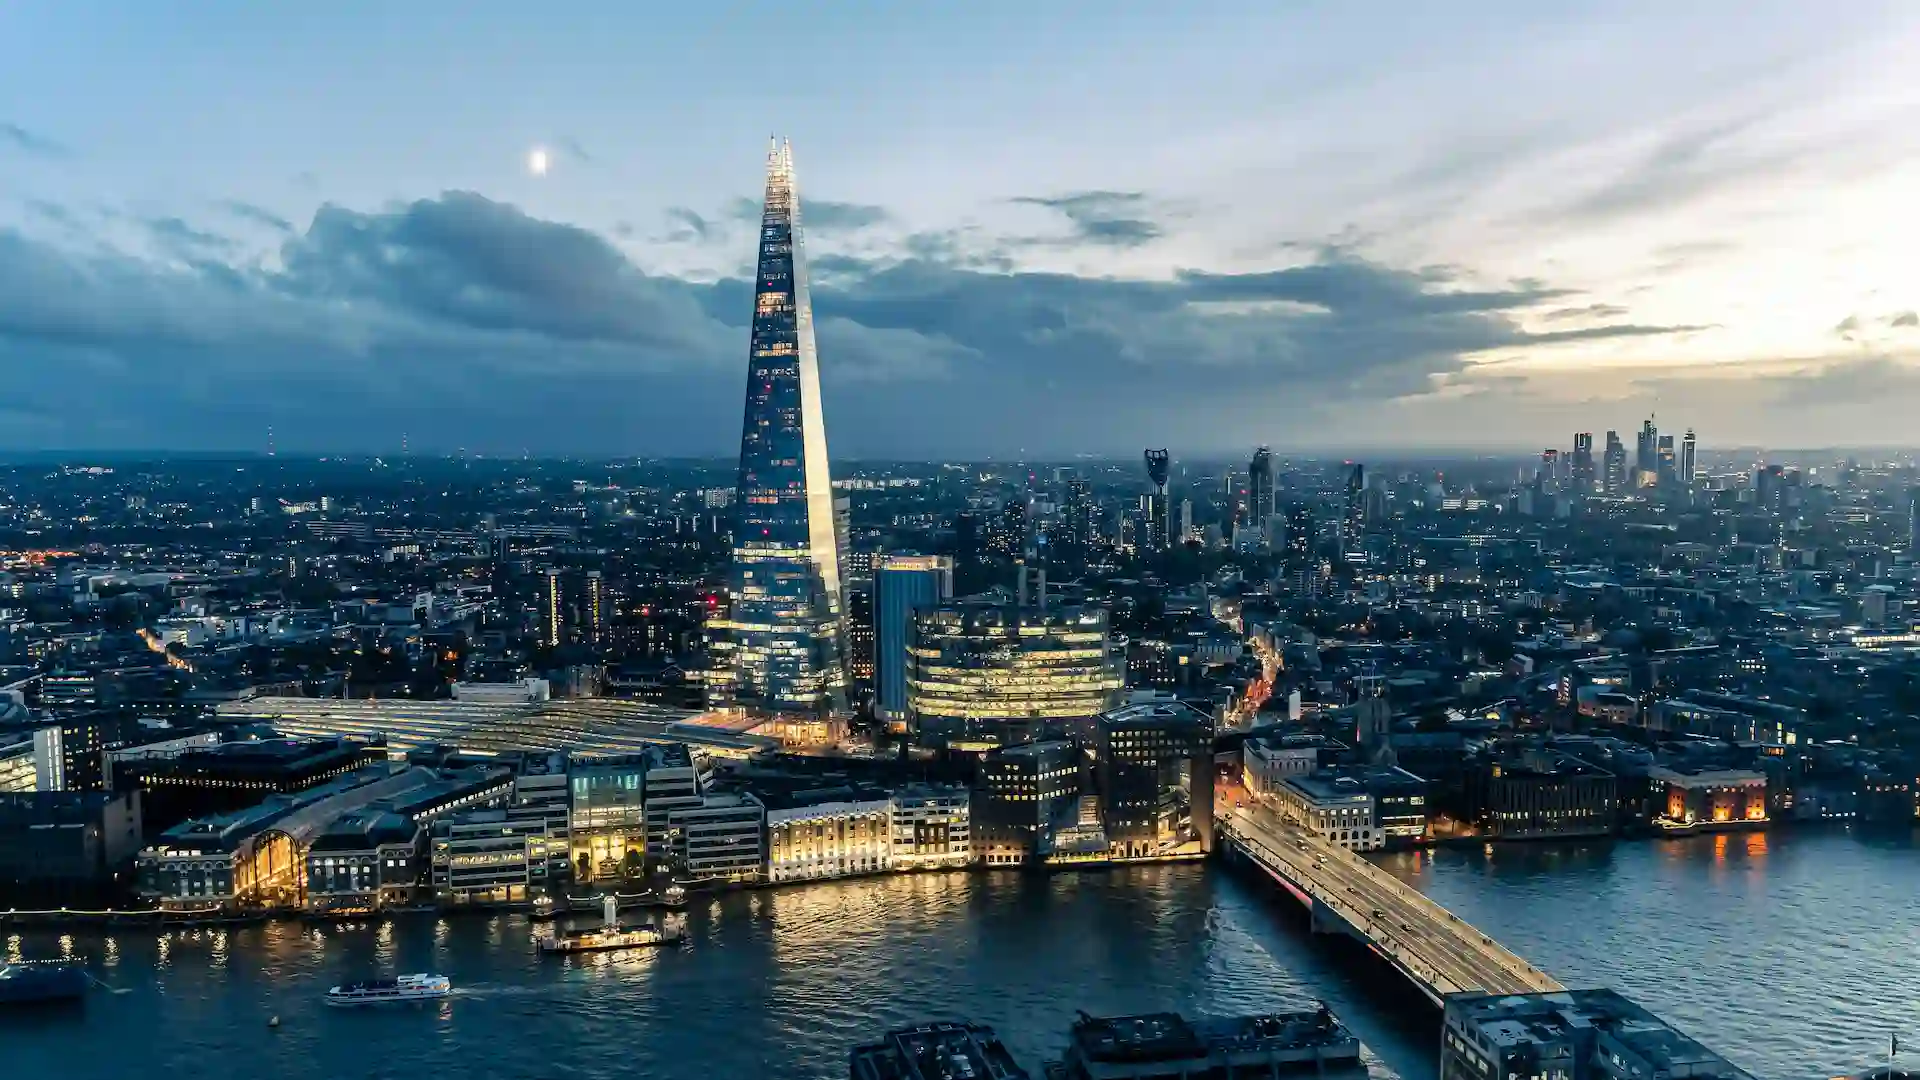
(1658, 463)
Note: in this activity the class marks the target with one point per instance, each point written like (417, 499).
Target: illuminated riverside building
(841, 838)
(783, 642)
(982, 674)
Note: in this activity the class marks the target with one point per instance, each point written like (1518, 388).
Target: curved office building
(981, 675)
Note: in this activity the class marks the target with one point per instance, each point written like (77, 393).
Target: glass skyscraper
(902, 585)
(784, 644)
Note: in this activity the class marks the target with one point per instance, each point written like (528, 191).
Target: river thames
(1793, 955)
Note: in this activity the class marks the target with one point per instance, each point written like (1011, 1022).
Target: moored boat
(41, 982)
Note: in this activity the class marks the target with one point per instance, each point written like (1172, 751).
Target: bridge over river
(1440, 952)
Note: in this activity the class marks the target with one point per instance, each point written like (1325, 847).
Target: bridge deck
(1431, 944)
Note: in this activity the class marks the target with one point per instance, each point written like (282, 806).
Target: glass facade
(992, 674)
(785, 637)
(902, 585)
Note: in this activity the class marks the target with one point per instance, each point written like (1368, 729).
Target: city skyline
(1282, 252)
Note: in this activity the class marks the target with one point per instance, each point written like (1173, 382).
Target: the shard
(785, 641)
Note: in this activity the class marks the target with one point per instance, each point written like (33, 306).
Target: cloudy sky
(1040, 227)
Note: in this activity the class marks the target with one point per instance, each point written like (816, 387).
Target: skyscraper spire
(785, 638)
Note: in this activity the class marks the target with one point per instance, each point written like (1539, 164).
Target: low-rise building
(1334, 805)
(1722, 797)
(66, 847)
(497, 856)
(1540, 792)
(724, 838)
(931, 828)
(815, 835)
(1266, 760)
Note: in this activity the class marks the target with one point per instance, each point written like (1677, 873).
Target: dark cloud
(1112, 218)
(28, 142)
(1848, 327)
(572, 148)
(1905, 319)
(257, 215)
(468, 323)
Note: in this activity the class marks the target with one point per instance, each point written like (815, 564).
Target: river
(1793, 955)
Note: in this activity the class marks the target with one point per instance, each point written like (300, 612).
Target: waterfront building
(496, 856)
(1022, 792)
(377, 855)
(1715, 797)
(608, 821)
(931, 827)
(1154, 768)
(784, 639)
(257, 857)
(982, 673)
(66, 847)
(1338, 807)
(1540, 792)
(816, 835)
(1568, 1035)
(902, 585)
(675, 780)
(940, 1051)
(721, 839)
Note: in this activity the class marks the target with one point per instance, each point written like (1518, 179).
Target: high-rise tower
(1689, 457)
(1614, 477)
(1153, 505)
(1260, 488)
(785, 637)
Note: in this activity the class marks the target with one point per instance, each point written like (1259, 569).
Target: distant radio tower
(403, 444)
(269, 440)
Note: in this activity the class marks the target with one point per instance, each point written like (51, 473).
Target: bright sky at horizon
(1056, 227)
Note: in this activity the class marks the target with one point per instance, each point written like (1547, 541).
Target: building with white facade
(1339, 808)
(829, 839)
(931, 827)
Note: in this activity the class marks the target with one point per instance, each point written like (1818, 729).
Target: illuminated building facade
(986, 674)
(609, 820)
(784, 640)
(830, 839)
(1717, 797)
(1260, 489)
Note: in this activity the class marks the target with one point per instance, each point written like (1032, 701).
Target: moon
(537, 161)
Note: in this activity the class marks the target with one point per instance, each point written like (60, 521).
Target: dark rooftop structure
(949, 1050)
(1170, 1045)
(1579, 1034)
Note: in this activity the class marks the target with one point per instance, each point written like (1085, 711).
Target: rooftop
(941, 1051)
(1516, 1021)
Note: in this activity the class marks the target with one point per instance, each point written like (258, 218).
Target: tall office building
(1666, 467)
(1689, 458)
(902, 584)
(1583, 474)
(1913, 521)
(596, 607)
(1646, 464)
(1260, 488)
(785, 639)
(553, 607)
(1353, 524)
(982, 674)
(1614, 478)
(1154, 510)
